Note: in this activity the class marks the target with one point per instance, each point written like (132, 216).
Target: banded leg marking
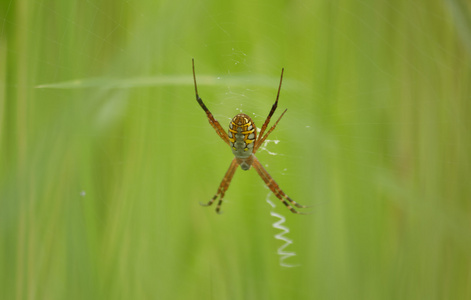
(275, 188)
(223, 186)
(214, 123)
(261, 140)
(273, 108)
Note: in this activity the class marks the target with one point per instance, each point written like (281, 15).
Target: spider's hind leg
(214, 123)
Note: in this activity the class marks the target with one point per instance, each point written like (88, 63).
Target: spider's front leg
(275, 188)
(223, 186)
(219, 130)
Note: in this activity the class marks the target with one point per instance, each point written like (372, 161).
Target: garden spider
(244, 142)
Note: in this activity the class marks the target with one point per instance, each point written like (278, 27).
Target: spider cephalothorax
(243, 139)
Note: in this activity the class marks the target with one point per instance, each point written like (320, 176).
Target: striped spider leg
(243, 139)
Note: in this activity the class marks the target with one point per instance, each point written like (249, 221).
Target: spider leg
(219, 130)
(272, 111)
(275, 188)
(262, 139)
(223, 186)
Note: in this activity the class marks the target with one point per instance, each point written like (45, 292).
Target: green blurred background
(105, 154)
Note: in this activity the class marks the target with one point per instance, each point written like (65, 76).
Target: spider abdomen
(242, 134)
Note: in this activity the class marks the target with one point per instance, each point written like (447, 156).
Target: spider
(244, 142)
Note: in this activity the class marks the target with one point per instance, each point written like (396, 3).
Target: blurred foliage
(105, 154)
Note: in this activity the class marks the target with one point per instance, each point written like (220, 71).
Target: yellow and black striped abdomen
(242, 134)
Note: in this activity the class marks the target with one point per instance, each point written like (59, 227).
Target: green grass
(105, 154)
